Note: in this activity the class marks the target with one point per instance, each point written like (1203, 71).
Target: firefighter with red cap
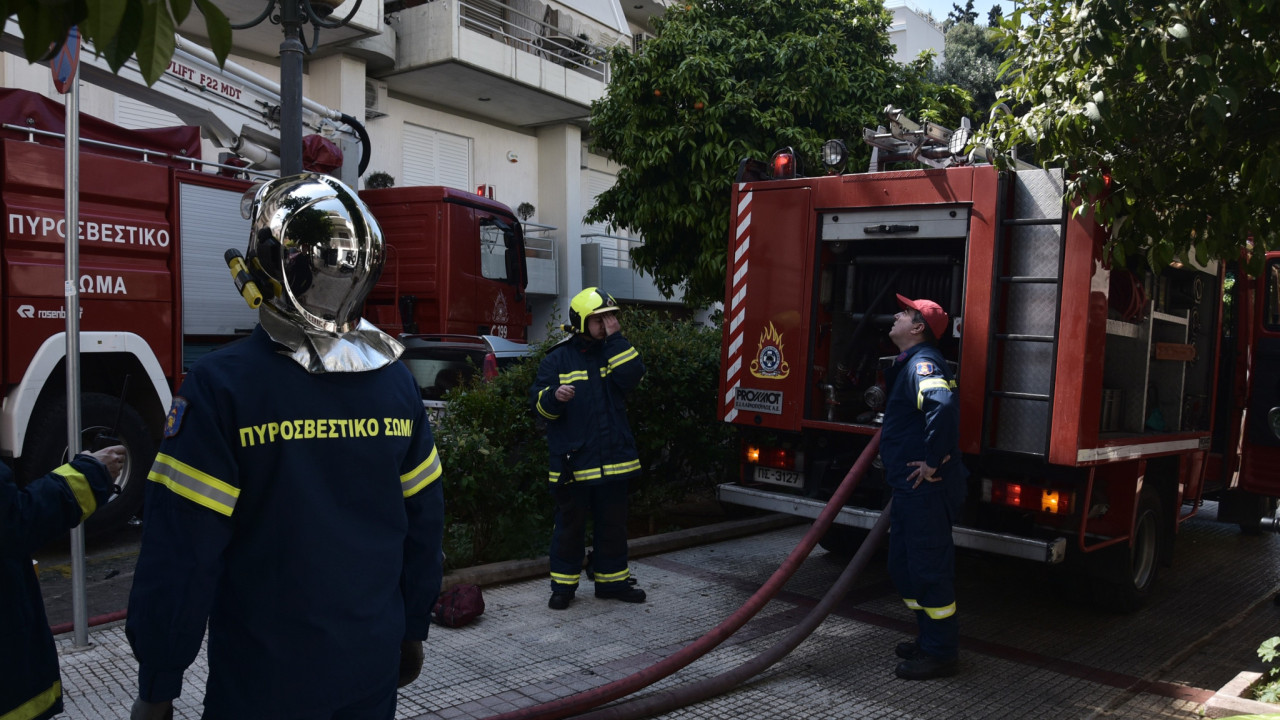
(581, 392)
(919, 445)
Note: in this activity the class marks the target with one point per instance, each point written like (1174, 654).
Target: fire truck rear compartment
(866, 258)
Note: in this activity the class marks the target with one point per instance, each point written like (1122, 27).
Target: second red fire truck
(1100, 407)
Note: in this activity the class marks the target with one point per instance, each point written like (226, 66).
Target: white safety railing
(533, 27)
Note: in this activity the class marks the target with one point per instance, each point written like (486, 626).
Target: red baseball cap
(934, 316)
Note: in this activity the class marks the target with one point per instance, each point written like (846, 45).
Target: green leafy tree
(962, 15)
(118, 29)
(972, 61)
(728, 79)
(995, 16)
(1162, 114)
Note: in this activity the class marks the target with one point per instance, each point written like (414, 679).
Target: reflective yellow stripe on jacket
(37, 705)
(543, 411)
(932, 384)
(423, 475)
(80, 488)
(599, 472)
(198, 487)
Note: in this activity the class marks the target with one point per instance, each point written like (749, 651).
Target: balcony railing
(606, 263)
(550, 36)
(540, 259)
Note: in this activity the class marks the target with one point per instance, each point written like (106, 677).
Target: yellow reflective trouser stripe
(196, 486)
(37, 705)
(932, 384)
(625, 355)
(613, 577)
(597, 473)
(80, 488)
(541, 410)
(566, 378)
(938, 613)
(563, 579)
(423, 475)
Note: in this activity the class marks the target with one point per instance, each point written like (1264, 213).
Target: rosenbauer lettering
(43, 227)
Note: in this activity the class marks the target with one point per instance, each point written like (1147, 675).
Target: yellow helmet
(590, 301)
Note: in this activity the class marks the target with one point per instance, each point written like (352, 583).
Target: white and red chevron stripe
(737, 305)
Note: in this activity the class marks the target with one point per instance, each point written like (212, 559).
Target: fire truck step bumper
(1045, 551)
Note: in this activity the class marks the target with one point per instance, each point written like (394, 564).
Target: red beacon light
(783, 164)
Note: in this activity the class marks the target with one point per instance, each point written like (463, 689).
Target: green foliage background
(728, 79)
(494, 450)
(118, 29)
(1172, 103)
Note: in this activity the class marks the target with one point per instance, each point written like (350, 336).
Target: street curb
(513, 570)
(1228, 702)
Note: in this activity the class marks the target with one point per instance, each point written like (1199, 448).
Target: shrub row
(494, 448)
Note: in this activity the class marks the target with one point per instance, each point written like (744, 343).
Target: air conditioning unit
(638, 40)
(375, 99)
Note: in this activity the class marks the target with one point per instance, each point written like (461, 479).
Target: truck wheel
(46, 449)
(1125, 575)
(843, 540)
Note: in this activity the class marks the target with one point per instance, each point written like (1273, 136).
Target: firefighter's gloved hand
(143, 710)
(410, 662)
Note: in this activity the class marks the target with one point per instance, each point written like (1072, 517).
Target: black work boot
(627, 594)
(926, 667)
(907, 650)
(560, 601)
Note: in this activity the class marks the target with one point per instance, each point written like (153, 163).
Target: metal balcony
(521, 62)
(606, 263)
(540, 259)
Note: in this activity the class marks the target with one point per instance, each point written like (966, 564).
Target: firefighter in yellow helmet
(581, 391)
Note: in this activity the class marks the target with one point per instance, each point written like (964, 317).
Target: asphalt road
(109, 562)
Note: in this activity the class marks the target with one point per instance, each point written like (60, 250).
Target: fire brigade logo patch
(173, 422)
(770, 363)
(925, 367)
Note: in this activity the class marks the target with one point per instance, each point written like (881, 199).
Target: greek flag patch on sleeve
(173, 422)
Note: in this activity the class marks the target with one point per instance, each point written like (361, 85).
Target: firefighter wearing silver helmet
(295, 504)
(317, 252)
(581, 391)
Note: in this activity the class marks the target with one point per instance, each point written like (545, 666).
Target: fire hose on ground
(684, 695)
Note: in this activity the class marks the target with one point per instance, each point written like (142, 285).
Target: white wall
(911, 33)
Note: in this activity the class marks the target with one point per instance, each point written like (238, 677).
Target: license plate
(773, 476)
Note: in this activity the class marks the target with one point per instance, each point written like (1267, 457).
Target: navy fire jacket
(589, 438)
(30, 684)
(302, 516)
(921, 417)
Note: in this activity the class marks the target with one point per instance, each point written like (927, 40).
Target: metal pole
(71, 193)
(291, 88)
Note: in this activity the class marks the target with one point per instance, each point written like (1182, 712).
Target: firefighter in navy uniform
(919, 446)
(581, 391)
(30, 517)
(296, 500)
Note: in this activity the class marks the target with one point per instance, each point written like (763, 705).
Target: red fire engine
(1100, 407)
(156, 292)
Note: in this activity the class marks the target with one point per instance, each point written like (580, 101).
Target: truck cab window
(494, 240)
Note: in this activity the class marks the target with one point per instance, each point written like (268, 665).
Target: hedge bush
(494, 448)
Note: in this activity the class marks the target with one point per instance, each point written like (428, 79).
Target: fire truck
(156, 293)
(1100, 406)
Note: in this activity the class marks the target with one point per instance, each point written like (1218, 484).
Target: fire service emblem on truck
(769, 363)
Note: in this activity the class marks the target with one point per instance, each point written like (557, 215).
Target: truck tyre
(46, 448)
(1124, 575)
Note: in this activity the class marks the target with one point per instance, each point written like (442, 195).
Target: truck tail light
(780, 458)
(1027, 497)
(784, 164)
(490, 368)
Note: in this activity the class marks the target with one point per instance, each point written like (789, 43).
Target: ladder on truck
(1025, 313)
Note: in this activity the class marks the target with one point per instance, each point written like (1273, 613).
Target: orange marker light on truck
(1026, 497)
(780, 458)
